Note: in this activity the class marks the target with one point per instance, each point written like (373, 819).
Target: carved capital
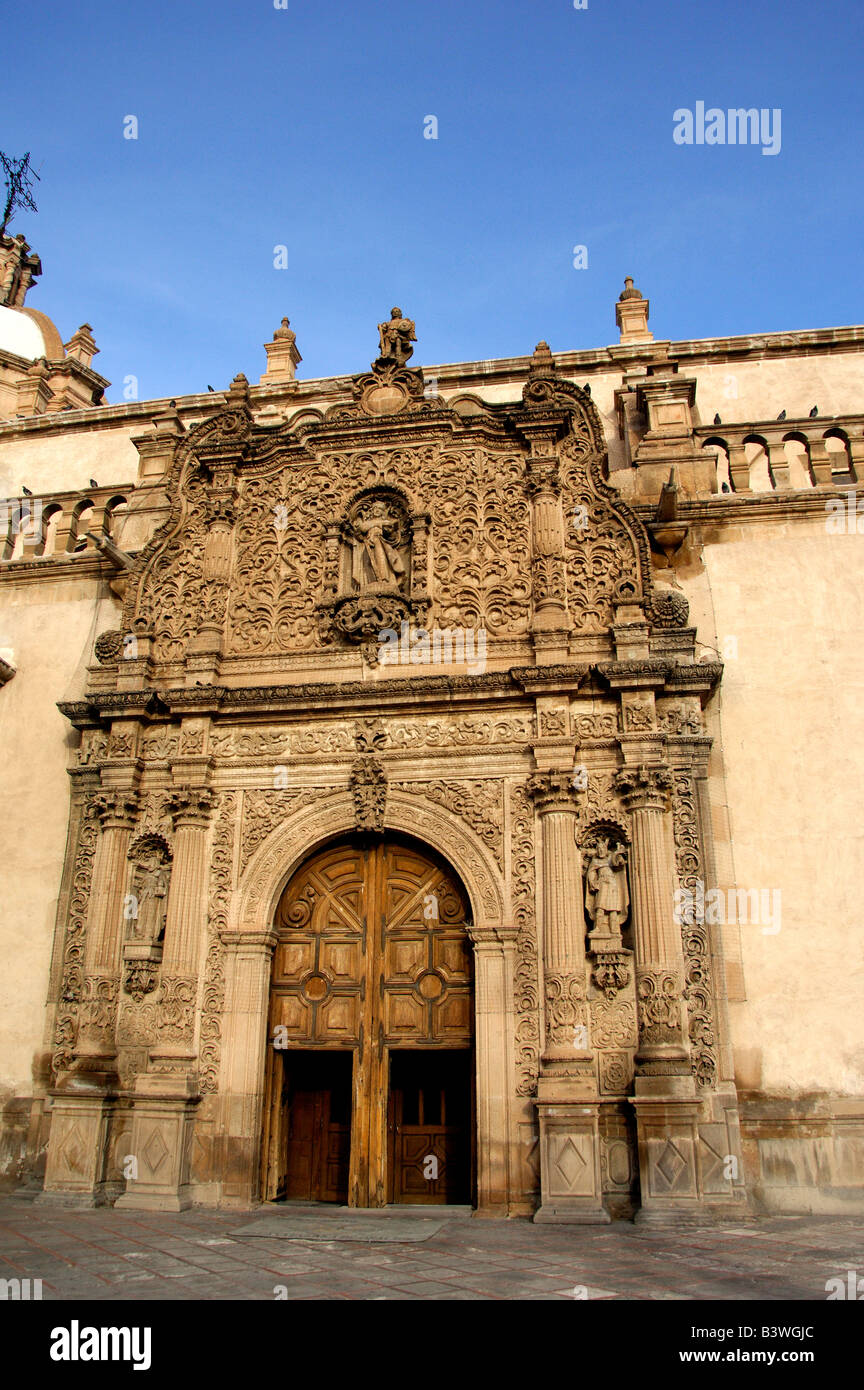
(644, 788)
(116, 809)
(190, 806)
(553, 791)
(541, 477)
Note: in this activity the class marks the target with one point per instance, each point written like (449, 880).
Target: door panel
(317, 1099)
(431, 1135)
(373, 954)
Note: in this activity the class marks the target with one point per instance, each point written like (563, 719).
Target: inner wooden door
(430, 1127)
(373, 956)
(317, 1106)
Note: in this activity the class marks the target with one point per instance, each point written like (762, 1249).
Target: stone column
(96, 1046)
(248, 958)
(83, 1099)
(187, 898)
(550, 623)
(567, 1100)
(165, 1097)
(665, 1093)
(495, 1065)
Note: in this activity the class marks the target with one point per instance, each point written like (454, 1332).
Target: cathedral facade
(407, 795)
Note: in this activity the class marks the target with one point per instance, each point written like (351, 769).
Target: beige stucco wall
(47, 632)
(65, 462)
(789, 595)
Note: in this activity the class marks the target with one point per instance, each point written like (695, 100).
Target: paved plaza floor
(289, 1252)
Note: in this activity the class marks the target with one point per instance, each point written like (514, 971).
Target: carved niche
(376, 580)
(145, 910)
(607, 906)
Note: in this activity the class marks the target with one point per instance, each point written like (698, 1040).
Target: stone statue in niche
(395, 339)
(377, 538)
(147, 901)
(607, 899)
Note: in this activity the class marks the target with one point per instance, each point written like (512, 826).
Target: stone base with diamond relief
(162, 1128)
(570, 1164)
(75, 1172)
(666, 1124)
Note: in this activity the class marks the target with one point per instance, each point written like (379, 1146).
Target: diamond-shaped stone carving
(155, 1151)
(570, 1162)
(671, 1164)
(72, 1150)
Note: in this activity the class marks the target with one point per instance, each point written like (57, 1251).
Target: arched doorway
(370, 1079)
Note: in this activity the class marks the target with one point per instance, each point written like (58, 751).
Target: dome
(29, 333)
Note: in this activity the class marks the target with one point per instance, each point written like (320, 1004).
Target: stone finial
(282, 355)
(631, 315)
(82, 346)
(18, 269)
(542, 356)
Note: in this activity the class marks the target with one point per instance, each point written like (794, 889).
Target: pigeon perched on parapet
(725, 488)
(587, 388)
(93, 482)
(210, 388)
(782, 415)
(814, 412)
(717, 420)
(26, 491)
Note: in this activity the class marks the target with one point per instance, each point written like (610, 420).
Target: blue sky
(303, 127)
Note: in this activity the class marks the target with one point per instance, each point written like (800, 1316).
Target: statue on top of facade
(395, 339)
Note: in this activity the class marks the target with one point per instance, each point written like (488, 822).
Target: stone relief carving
(607, 897)
(607, 547)
(659, 996)
(613, 1023)
(213, 992)
(595, 726)
(478, 802)
(698, 992)
(369, 790)
(71, 989)
(566, 1009)
(680, 718)
(262, 812)
(526, 980)
(146, 903)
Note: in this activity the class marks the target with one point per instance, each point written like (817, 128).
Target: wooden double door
(369, 1093)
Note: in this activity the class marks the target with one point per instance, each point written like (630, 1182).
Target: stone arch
(249, 939)
(285, 849)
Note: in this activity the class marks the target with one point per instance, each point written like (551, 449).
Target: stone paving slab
(330, 1255)
(286, 1227)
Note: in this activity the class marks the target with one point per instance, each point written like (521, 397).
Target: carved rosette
(369, 790)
